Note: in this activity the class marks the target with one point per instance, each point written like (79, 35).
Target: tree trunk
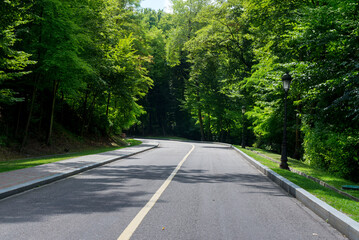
(108, 102)
(297, 134)
(107, 107)
(36, 78)
(220, 130)
(297, 141)
(209, 134)
(90, 115)
(163, 127)
(200, 113)
(54, 91)
(41, 114)
(62, 106)
(18, 120)
(84, 113)
(26, 133)
(201, 124)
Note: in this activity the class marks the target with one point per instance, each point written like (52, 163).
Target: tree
(13, 61)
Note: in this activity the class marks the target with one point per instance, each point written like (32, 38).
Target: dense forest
(209, 70)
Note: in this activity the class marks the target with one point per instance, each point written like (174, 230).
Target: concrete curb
(338, 220)
(7, 192)
(324, 184)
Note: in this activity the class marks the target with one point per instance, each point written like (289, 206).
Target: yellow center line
(131, 228)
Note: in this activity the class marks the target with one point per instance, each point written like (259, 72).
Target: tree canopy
(209, 70)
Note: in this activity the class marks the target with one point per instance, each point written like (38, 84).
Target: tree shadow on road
(114, 189)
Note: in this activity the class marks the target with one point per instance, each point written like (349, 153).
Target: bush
(3, 141)
(336, 152)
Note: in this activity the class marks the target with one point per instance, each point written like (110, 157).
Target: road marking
(131, 228)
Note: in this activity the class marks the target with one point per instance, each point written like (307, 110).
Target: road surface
(181, 190)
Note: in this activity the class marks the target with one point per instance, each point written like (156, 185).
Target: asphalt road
(215, 194)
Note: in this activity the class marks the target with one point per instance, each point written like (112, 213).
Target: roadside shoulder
(21, 180)
(338, 220)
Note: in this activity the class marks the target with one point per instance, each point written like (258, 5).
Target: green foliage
(110, 65)
(91, 63)
(13, 61)
(236, 52)
(334, 151)
(219, 55)
(3, 141)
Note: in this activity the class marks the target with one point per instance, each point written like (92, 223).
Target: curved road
(180, 190)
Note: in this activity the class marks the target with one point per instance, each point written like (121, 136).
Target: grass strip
(339, 202)
(329, 178)
(11, 165)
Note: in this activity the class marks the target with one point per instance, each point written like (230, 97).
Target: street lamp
(243, 130)
(286, 85)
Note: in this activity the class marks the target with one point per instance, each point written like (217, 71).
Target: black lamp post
(286, 85)
(243, 128)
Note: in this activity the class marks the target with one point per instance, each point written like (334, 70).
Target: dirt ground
(61, 143)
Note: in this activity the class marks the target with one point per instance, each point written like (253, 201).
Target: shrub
(3, 141)
(336, 152)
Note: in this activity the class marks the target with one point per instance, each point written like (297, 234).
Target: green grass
(339, 202)
(11, 165)
(335, 181)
